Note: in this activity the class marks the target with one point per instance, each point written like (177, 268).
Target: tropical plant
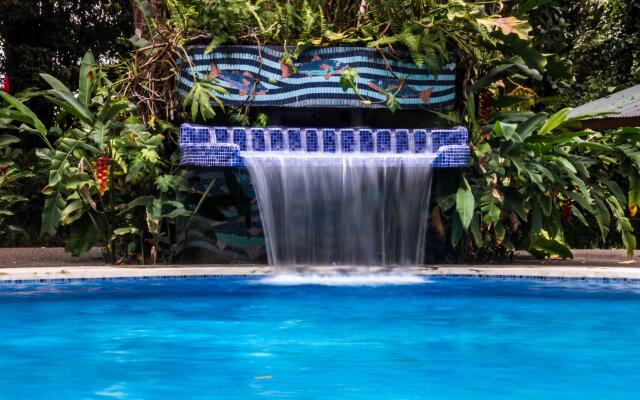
(21, 173)
(11, 177)
(107, 179)
(532, 176)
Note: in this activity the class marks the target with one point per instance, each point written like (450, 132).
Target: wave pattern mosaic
(223, 146)
(258, 74)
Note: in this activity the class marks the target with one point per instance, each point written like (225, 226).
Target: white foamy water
(342, 209)
(342, 280)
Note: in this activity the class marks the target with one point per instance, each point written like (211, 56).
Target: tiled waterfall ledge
(223, 146)
(259, 75)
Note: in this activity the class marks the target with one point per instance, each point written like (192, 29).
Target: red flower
(102, 173)
(6, 84)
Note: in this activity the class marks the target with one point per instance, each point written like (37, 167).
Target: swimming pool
(238, 338)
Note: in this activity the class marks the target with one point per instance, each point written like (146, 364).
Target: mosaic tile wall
(223, 146)
(231, 211)
(258, 74)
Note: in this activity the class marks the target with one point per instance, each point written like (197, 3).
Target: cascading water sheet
(344, 209)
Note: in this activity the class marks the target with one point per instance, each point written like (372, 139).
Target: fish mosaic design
(316, 67)
(312, 79)
(244, 82)
(400, 88)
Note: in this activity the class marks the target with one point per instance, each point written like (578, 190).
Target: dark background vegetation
(49, 35)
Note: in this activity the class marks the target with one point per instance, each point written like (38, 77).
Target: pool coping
(536, 272)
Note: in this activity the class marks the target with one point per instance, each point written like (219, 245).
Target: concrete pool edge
(8, 275)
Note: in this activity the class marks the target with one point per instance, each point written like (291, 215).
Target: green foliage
(102, 159)
(600, 38)
(200, 97)
(11, 177)
(431, 31)
(533, 177)
(606, 47)
(108, 178)
(21, 172)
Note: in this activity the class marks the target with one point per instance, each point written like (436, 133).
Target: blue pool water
(241, 339)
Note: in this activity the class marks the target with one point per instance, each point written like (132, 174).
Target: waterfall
(342, 208)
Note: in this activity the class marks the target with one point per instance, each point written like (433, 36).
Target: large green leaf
(84, 235)
(74, 210)
(502, 72)
(553, 247)
(603, 217)
(634, 191)
(111, 111)
(524, 49)
(536, 221)
(554, 121)
(631, 151)
(623, 225)
(465, 204)
(52, 212)
(476, 234)
(141, 201)
(67, 100)
(508, 131)
(87, 78)
(6, 140)
(526, 128)
(615, 189)
(30, 115)
(562, 161)
(55, 203)
(584, 200)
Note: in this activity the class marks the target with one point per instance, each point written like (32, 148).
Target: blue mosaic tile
(383, 142)
(348, 141)
(295, 139)
(221, 146)
(402, 141)
(367, 143)
(315, 90)
(421, 143)
(239, 137)
(276, 136)
(221, 134)
(452, 156)
(257, 139)
(194, 134)
(329, 140)
(444, 137)
(312, 143)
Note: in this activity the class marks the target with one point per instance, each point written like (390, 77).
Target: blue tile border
(223, 146)
(124, 278)
(505, 277)
(538, 278)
